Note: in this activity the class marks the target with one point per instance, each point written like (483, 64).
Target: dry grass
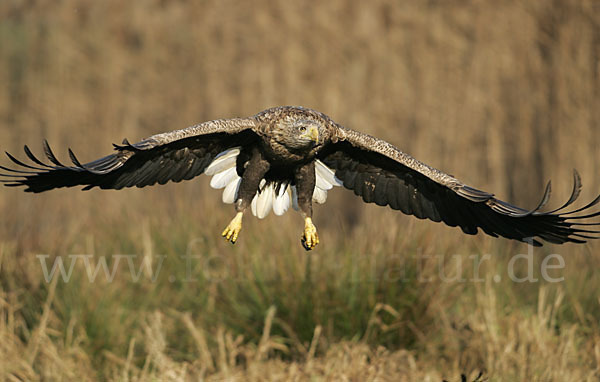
(503, 96)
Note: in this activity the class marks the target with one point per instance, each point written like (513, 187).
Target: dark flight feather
(167, 157)
(403, 188)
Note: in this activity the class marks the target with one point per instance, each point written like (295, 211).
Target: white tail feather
(282, 201)
(253, 205)
(223, 161)
(264, 204)
(224, 175)
(223, 178)
(325, 176)
(319, 195)
(231, 191)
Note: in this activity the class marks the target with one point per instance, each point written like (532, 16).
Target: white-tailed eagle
(291, 156)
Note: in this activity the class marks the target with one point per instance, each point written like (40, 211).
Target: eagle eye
(302, 129)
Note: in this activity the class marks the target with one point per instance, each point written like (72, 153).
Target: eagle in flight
(291, 156)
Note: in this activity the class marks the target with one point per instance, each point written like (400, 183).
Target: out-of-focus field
(503, 95)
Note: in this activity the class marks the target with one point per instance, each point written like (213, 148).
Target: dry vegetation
(503, 96)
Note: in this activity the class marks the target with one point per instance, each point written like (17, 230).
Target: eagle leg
(310, 238)
(305, 186)
(255, 170)
(233, 229)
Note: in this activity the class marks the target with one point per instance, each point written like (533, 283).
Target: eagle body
(292, 156)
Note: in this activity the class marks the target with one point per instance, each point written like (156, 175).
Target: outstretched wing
(174, 156)
(382, 174)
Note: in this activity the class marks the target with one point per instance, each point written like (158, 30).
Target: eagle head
(298, 134)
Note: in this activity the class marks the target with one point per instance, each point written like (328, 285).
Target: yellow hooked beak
(312, 133)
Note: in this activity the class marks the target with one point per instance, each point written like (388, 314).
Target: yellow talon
(310, 239)
(233, 229)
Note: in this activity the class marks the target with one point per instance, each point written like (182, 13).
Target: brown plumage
(292, 154)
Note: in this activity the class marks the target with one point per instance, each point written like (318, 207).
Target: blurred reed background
(502, 95)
